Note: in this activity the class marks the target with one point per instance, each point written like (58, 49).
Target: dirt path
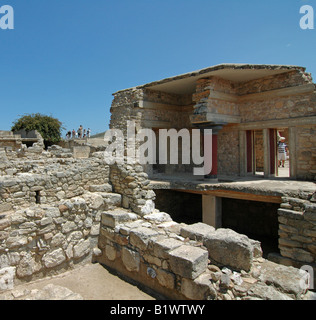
(91, 282)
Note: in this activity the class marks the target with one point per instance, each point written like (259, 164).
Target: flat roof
(186, 83)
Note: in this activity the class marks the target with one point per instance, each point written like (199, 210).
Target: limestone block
(4, 223)
(290, 280)
(140, 237)
(229, 248)
(162, 247)
(188, 262)
(158, 217)
(81, 249)
(101, 188)
(166, 279)
(147, 208)
(131, 259)
(196, 231)
(264, 292)
(27, 266)
(199, 289)
(15, 242)
(54, 258)
(112, 200)
(110, 252)
(5, 207)
(68, 226)
(7, 276)
(113, 218)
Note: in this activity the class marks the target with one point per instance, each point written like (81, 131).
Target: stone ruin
(58, 212)
(65, 207)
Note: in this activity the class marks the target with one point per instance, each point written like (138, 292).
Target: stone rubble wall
(43, 240)
(194, 262)
(51, 179)
(134, 186)
(297, 232)
(306, 152)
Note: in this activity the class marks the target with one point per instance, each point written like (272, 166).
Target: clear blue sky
(65, 58)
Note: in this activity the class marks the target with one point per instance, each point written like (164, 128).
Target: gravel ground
(89, 282)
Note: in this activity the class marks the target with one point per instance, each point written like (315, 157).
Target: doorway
(263, 152)
(283, 170)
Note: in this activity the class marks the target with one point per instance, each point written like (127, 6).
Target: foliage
(49, 127)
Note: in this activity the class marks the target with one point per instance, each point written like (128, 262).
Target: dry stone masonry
(193, 261)
(64, 206)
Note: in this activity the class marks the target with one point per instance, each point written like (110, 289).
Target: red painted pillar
(214, 157)
(272, 138)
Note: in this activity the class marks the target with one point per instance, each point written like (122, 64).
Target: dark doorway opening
(181, 206)
(257, 220)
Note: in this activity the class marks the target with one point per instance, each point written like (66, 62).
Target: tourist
(80, 132)
(282, 150)
(73, 133)
(89, 132)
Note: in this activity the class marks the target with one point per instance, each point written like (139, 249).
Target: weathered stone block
(162, 247)
(166, 279)
(188, 262)
(290, 280)
(54, 258)
(7, 276)
(196, 231)
(229, 248)
(81, 249)
(131, 259)
(199, 289)
(110, 252)
(113, 218)
(101, 188)
(140, 237)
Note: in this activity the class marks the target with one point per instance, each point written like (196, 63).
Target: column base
(211, 178)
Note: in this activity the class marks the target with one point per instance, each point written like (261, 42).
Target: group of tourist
(79, 134)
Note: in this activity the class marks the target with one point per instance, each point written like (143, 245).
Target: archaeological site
(246, 231)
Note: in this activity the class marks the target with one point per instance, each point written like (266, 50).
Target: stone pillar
(242, 153)
(292, 148)
(266, 152)
(212, 211)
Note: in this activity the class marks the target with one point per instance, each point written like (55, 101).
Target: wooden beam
(235, 195)
(281, 123)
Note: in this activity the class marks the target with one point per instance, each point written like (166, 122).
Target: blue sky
(65, 58)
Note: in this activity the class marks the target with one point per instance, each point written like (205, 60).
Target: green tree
(50, 128)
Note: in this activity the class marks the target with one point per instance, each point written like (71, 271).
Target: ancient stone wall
(133, 184)
(50, 211)
(193, 262)
(297, 231)
(228, 151)
(43, 240)
(48, 181)
(306, 152)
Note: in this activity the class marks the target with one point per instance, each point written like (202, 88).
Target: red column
(272, 138)
(214, 157)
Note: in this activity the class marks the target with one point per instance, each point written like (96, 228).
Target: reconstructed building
(248, 108)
